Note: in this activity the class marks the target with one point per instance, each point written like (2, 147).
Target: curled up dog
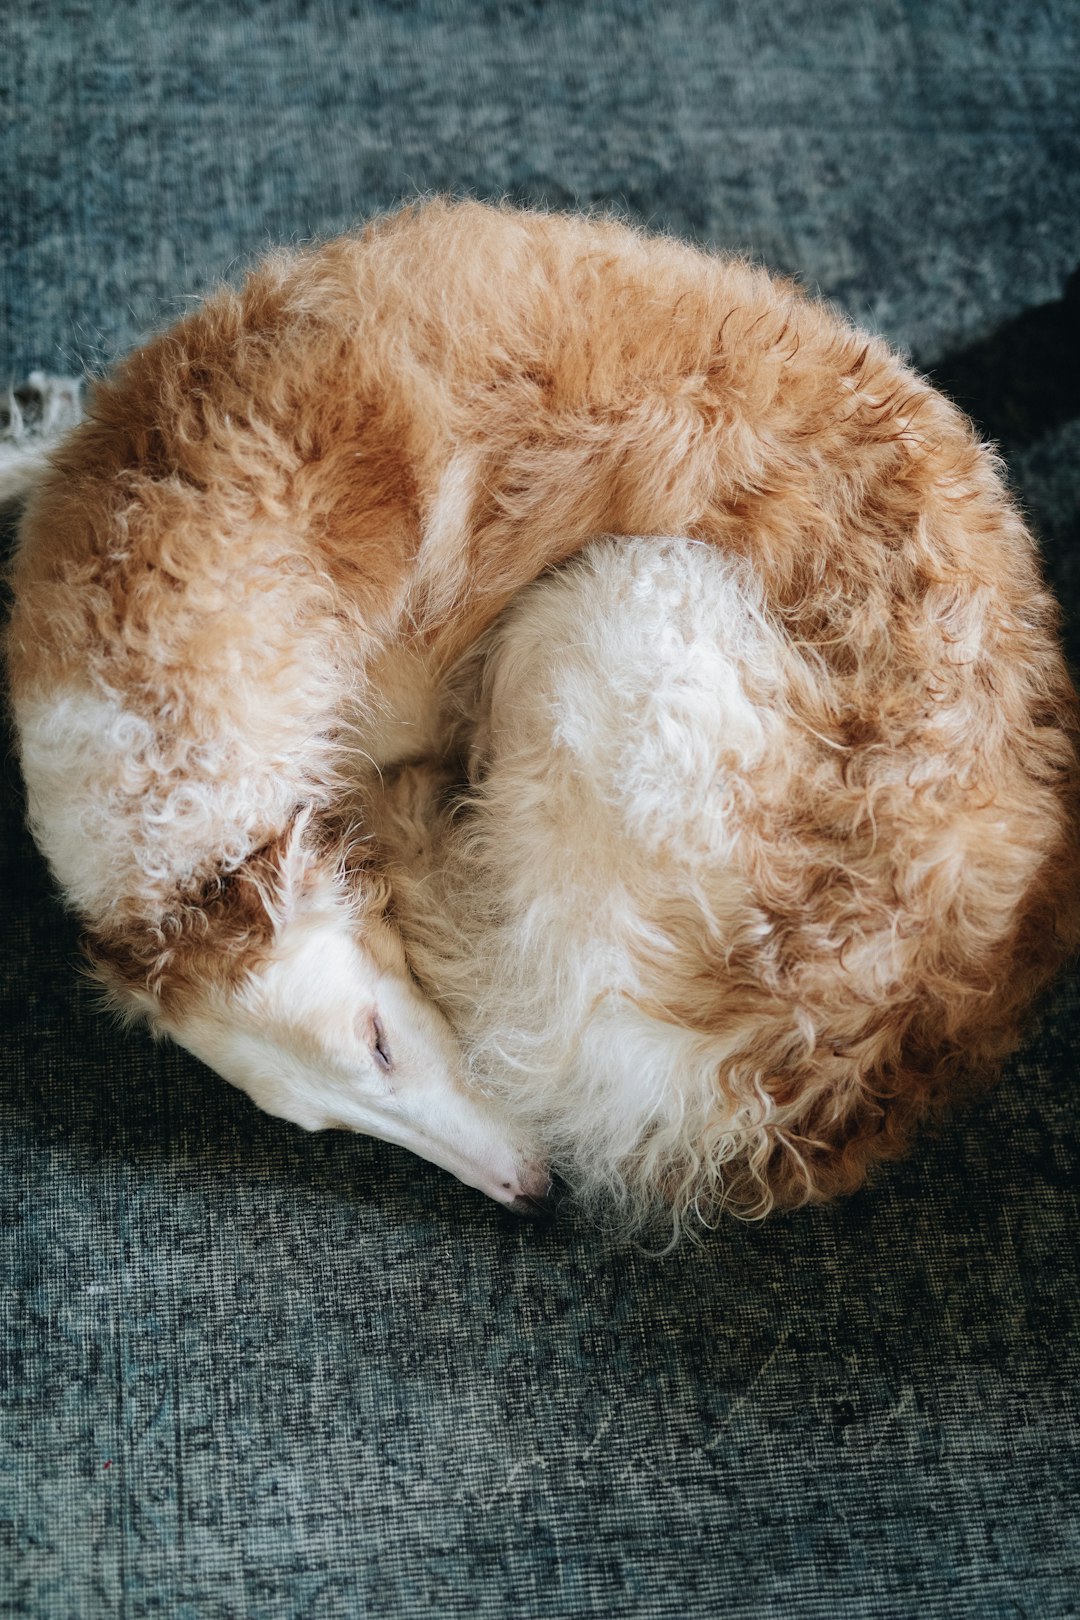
(296, 511)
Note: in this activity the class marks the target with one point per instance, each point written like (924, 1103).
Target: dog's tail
(34, 416)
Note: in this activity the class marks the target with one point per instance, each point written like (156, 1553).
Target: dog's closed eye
(369, 1029)
(373, 1035)
(379, 1048)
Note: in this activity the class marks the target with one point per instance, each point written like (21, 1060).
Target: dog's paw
(41, 407)
(34, 416)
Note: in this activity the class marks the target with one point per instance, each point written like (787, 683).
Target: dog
(243, 578)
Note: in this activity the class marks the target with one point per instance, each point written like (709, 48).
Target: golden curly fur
(346, 468)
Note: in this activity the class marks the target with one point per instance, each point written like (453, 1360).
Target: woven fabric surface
(252, 1372)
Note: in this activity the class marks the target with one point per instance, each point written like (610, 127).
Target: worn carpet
(248, 1372)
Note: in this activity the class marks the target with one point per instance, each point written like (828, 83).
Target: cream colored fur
(616, 723)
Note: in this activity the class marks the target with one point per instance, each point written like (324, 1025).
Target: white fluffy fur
(83, 749)
(621, 706)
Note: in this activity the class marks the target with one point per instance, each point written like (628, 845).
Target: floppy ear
(227, 926)
(285, 874)
(215, 934)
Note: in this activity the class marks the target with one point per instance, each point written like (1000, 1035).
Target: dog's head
(319, 1020)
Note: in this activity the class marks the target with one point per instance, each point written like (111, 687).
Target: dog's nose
(539, 1196)
(534, 1208)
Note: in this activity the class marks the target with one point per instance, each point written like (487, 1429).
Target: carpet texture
(251, 1372)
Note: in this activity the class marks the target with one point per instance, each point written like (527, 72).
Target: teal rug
(248, 1372)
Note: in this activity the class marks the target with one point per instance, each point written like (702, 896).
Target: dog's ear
(216, 937)
(122, 981)
(285, 875)
(217, 933)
